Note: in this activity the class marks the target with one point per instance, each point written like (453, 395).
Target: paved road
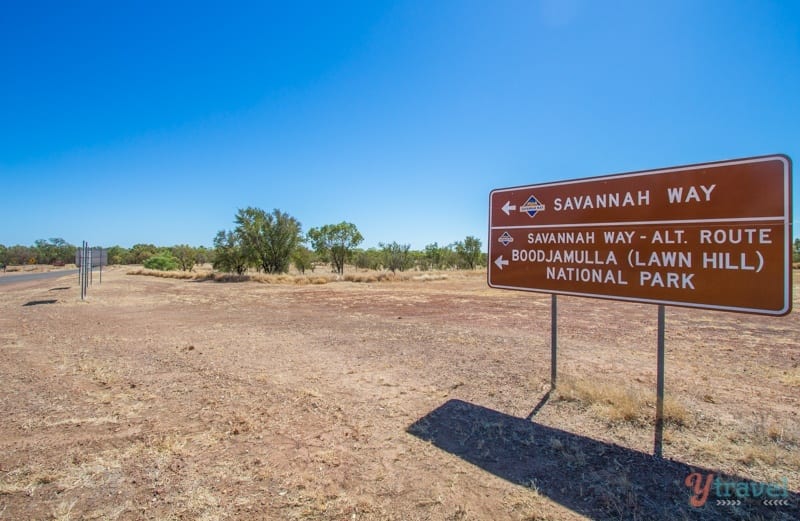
(10, 279)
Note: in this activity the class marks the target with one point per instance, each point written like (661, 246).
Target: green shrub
(162, 262)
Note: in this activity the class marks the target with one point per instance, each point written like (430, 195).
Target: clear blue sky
(133, 121)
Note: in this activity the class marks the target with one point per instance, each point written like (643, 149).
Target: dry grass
(95, 420)
(615, 404)
(80, 473)
(25, 480)
(748, 451)
(768, 429)
(376, 276)
(606, 401)
(296, 279)
(64, 511)
(100, 373)
(676, 413)
(232, 277)
(182, 275)
(401, 276)
(791, 377)
(762, 441)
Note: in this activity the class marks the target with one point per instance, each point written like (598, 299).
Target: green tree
(303, 259)
(162, 262)
(796, 250)
(433, 256)
(19, 254)
(449, 257)
(335, 242)
(63, 251)
(3, 256)
(469, 252)
(369, 259)
(185, 255)
(229, 253)
(117, 255)
(417, 259)
(44, 251)
(54, 251)
(396, 256)
(203, 255)
(141, 252)
(269, 239)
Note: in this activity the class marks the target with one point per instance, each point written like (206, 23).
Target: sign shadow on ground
(596, 479)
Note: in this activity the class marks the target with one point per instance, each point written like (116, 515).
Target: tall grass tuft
(232, 277)
(289, 279)
(620, 405)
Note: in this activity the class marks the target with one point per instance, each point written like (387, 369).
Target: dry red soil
(425, 399)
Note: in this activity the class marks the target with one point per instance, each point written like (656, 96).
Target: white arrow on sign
(500, 262)
(508, 207)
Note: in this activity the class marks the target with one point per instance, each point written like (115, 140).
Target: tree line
(269, 243)
(59, 252)
(53, 251)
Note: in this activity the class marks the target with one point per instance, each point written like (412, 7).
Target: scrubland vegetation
(268, 243)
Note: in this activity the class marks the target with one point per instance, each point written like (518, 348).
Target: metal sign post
(86, 266)
(659, 436)
(78, 263)
(553, 340)
(82, 270)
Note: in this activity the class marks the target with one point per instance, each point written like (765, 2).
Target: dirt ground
(425, 399)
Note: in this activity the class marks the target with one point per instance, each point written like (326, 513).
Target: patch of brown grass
(676, 413)
(25, 480)
(615, 404)
(99, 372)
(284, 278)
(767, 429)
(425, 277)
(228, 277)
(376, 276)
(606, 401)
(182, 275)
(400, 276)
(296, 279)
(231, 277)
(758, 455)
(765, 442)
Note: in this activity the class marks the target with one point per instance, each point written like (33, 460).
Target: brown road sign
(712, 235)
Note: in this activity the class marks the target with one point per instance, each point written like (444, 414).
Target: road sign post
(659, 435)
(553, 341)
(712, 236)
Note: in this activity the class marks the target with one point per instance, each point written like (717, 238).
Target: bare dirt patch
(422, 399)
